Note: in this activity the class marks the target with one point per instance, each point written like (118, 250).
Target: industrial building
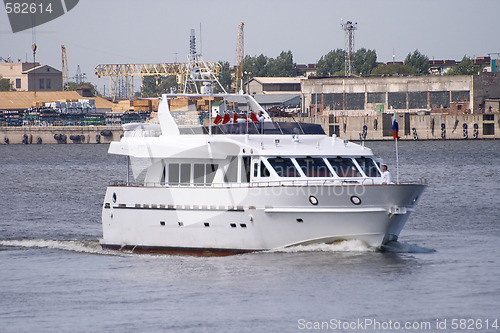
(345, 96)
(26, 76)
(273, 85)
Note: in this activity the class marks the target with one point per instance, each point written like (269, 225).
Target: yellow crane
(240, 53)
(64, 59)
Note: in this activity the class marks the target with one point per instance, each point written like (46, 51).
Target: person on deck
(260, 116)
(386, 175)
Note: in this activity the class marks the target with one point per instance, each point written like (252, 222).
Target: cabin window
(204, 174)
(255, 169)
(211, 169)
(263, 170)
(231, 174)
(199, 174)
(163, 175)
(284, 167)
(173, 174)
(368, 167)
(185, 174)
(344, 167)
(313, 167)
(245, 169)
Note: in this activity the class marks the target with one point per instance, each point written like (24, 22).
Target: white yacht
(244, 186)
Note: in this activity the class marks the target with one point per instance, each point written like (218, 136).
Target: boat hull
(243, 219)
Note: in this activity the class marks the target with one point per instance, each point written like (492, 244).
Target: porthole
(355, 200)
(114, 197)
(313, 200)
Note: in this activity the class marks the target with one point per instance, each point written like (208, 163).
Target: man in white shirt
(386, 175)
(261, 116)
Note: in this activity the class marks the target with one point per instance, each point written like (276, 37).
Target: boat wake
(340, 246)
(397, 247)
(83, 246)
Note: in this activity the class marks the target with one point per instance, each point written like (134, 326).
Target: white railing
(274, 183)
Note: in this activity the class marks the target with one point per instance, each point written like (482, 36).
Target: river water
(442, 275)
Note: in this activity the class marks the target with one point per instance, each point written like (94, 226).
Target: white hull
(241, 218)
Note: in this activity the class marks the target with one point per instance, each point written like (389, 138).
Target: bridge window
(313, 167)
(203, 174)
(185, 174)
(245, 169)
(211, 169)
(173, 174)
(284, 167)
(368, 167)
(231, 174)
(263, 170)
(344, 167)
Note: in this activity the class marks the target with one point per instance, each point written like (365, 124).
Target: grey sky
(146, 31)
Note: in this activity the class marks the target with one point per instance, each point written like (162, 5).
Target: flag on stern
(226, 118)
(395, 127)
(217, 119)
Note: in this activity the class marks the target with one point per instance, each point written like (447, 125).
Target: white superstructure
(246, 186)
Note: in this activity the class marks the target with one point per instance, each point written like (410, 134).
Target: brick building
(28, 76)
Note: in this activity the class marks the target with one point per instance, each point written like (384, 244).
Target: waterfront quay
(59, 134)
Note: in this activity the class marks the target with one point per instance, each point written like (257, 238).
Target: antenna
(201, 48)
(198, 76)
(349, 28)
(192, 43)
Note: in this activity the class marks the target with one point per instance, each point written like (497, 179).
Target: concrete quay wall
(411, 126)
(419, 127)
(59, 134)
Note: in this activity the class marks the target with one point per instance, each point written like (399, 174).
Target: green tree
(5, 84)
(72, 86)
(282, 66)
(364, 61)
(331, 64)
(465, 67)
(394, 68)
(419, 61)
(167, 83)
(255, 66)
(224, 76)
(154, 86)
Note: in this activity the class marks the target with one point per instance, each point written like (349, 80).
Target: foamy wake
(354, 245)
(89, 246)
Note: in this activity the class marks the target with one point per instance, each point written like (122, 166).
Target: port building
(26, 76)
(452, 94)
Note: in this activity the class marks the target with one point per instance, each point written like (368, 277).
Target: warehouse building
(344, 96)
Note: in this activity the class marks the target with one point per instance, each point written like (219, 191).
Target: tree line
(364, 62)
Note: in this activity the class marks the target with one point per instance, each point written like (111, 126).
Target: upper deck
(256, 128)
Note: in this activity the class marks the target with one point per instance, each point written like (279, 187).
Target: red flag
(254, 117)
(235, 118)
(217, 119)
(226, 118)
